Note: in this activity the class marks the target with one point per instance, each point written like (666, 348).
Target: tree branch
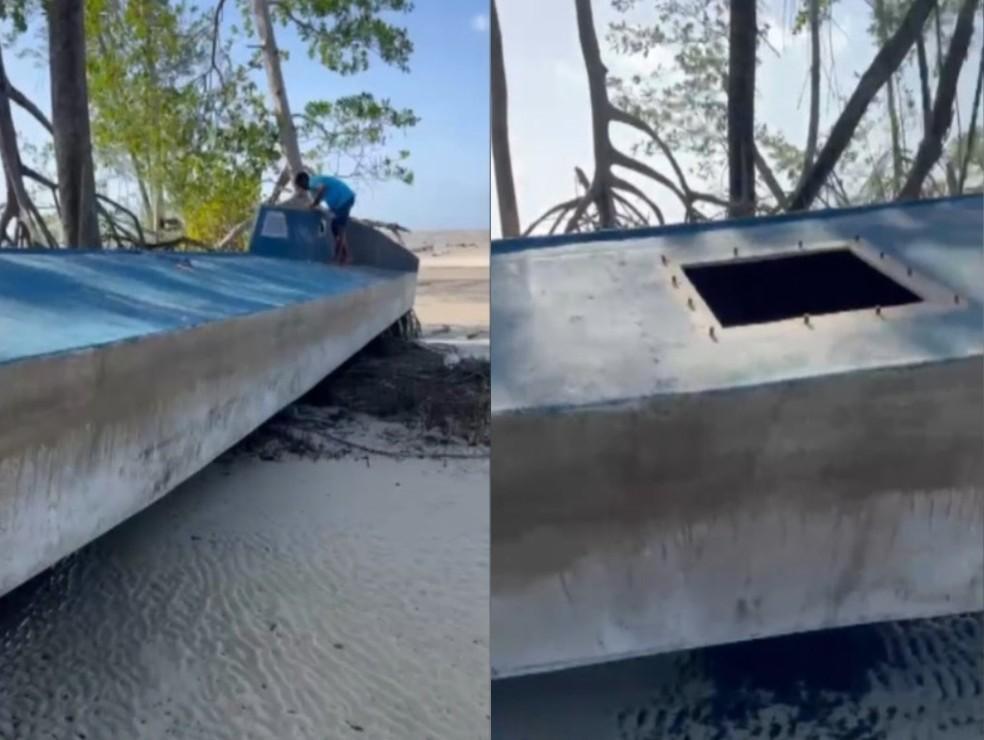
(931, 147)
(628, 205)
(566, 205)
(626, 185)
(125, 211)
(618, 158)
(927, 104)
(972, 131)
(770, 179)
(885, 63)
(16, 96)
(627, 118)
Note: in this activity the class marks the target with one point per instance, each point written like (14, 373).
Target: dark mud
(440, 401)
(914, 679)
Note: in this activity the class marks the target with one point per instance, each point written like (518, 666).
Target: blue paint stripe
(66, 300)
(521, 244)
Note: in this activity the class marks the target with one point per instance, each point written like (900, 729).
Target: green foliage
(222, 206)
(193, 137)
(343, 34)
(686, 101)
(174, 115)
(218, 180)
(17, 12)
(957, 152)
(351, 134)
(801, 20)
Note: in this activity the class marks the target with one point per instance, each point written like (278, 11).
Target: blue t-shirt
(337, 194)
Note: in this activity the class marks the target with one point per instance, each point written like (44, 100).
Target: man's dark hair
(302, 180)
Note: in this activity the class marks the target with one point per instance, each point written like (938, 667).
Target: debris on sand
(397, 398)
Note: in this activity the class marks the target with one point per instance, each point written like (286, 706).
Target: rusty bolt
(690, 304)
(713, 335)
(673, 279)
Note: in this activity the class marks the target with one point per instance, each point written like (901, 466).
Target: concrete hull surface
(166, 362)
(756, 497)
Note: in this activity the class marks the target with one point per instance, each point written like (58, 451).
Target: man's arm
(316, 198)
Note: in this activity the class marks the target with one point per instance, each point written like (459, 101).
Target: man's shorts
(340, 217)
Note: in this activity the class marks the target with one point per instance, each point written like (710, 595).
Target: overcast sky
(549, 116)
(447, 87)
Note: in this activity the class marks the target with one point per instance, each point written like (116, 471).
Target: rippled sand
(293, 599)
(917, 680)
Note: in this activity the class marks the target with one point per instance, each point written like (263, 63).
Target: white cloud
(480, 23)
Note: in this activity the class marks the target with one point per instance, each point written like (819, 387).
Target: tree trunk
(972, 131)
(597, 87)
(19, 204)
(893, 113)
(602, 189)
(138, 172)
(893, 123)
(885, 63)
(278, 91)
(70, 117)
(931, 147)
(814, 126)
(506, 190)
(927, 103)
(741, 108)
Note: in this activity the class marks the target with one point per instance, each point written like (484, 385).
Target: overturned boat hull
(661, 481)
(126, 373)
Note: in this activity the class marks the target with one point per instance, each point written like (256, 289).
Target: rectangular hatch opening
(759, 291)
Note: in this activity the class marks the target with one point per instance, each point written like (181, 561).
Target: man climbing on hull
(339, 198)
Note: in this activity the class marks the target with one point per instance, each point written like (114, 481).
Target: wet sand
(291, 599)
(918, 680)
(339, 593)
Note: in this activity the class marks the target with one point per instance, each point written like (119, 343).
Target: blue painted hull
(122, 374)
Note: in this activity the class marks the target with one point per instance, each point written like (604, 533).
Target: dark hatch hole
(777, 288)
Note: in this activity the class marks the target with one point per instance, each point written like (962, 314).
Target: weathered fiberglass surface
(591, 319)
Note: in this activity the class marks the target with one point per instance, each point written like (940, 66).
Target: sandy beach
(291, 599)
(453, 288)
(326, 578)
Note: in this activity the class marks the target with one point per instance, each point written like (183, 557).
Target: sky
(549, 114)
(447, 87)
